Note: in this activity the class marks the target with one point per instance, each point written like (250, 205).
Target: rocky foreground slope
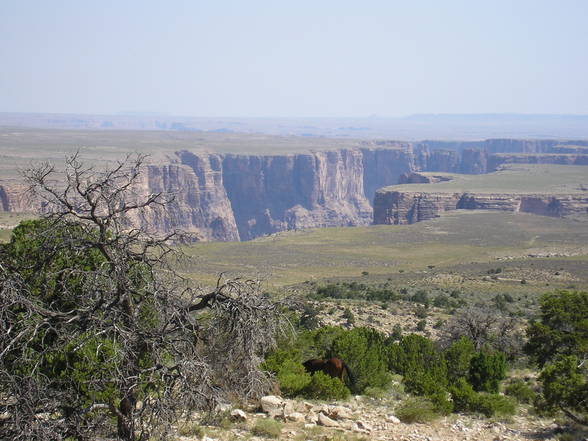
(362, 418)
(228, 196)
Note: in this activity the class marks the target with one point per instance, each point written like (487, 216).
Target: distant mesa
(232, 187)
(547, 190)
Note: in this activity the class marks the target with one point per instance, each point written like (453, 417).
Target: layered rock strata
(401, 207)
(231, 197)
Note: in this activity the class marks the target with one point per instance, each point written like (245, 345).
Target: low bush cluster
(457, 379)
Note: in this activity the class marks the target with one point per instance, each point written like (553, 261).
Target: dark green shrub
(463, 395)
(442, 402)
(421, 325)
(418, 361)
(487, 370)
(293, 379)
(420, 296)
(466, 399)
(364, 351)
(521, 391)
(565, 385)
(349, 316)
(494, 405)
(442, 301)
(562, 329)
(421, 312)
(558, 343)
(417, 410)
(396, 332)
(324, 387)
(458, 357)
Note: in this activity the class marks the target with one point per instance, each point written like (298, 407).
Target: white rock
(358, 429)
(296, 416)
(288, 408)
(340, 412)
(272, 405)
(324, 420)
(392, 419)
(365, 426)
(309, 425)
(205, 438)
(238, 415)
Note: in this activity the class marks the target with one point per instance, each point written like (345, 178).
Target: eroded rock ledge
(402, 207)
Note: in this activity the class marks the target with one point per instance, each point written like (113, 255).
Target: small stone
(392, 419)
(238, 415)
(340, 412)
(309, 425)
(365, 426)
(324, 420)
(358, 429)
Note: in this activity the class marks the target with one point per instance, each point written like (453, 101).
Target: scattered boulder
(365, 426)
(324, 420)
(340, 413)
(272, 405)
(238, 415)
(296, 416)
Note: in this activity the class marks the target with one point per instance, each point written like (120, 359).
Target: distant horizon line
(147, 114)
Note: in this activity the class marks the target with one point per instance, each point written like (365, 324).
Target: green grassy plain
(513, 178)
(456, 250)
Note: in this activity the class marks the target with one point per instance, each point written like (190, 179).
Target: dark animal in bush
(332, 366)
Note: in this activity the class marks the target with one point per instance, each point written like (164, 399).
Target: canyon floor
(458, 250)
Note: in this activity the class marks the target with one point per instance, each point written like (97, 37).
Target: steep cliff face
(519, 145)
(436, 160)
(200, 201)
(383, 167)
(395, 207)
(398, 208)
(474, 162)
(13, 197)
(275, 193)
(496, 160)
(239, 197)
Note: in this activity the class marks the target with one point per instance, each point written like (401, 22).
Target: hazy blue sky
(294, 58)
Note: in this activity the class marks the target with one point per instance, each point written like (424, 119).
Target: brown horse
(333, 367)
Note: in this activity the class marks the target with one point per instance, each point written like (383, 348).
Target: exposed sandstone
(227, 197)
(401, 207)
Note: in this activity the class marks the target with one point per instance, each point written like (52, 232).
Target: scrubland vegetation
(100, 337)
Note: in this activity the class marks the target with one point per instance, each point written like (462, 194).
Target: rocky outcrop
(14, 197)
(229, 197)
(436, 160)
(474, 162)
(401, 207)
(419, 178)
(276, 193)
(383, 165)
(496, 160)
(200, 203)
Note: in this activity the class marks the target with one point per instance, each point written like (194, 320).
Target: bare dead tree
(484, 326)
(95, 325)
